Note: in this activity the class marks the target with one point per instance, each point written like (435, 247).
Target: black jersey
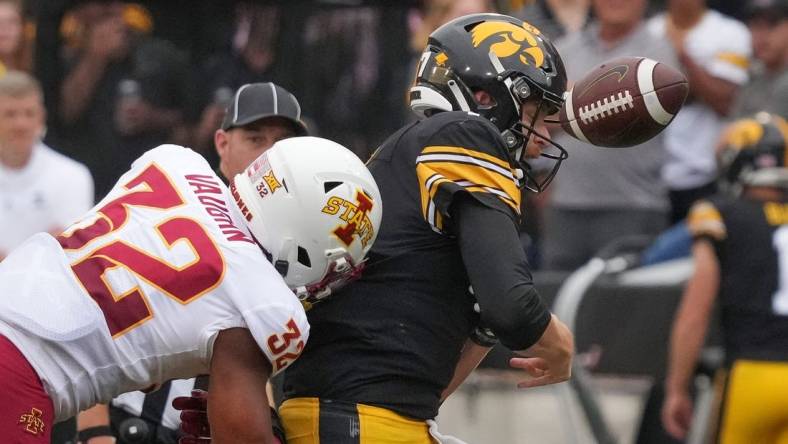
(393, 338)
(751, 241)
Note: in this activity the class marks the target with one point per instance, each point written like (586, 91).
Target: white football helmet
(314, 208)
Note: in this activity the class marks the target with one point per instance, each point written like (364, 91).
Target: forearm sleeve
(499, 273)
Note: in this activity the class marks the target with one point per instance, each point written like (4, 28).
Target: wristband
(483, 336)
(83, 436)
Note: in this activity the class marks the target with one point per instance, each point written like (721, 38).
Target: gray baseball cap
(255, 101)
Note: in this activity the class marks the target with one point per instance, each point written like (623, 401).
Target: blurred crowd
(87, 86)
(119, 77)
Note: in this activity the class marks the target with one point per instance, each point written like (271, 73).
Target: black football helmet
(753, 152)
(510, 60)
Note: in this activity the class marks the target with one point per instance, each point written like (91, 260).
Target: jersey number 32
(151, 189)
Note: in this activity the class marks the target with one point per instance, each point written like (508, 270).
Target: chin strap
(341, 271)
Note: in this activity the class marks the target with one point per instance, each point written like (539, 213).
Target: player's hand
(108, 39)
(194, 417)
(538, 371)
(549, 361)
(677, 414)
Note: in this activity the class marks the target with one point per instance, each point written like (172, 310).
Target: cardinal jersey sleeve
(467, 155)
(271, 312)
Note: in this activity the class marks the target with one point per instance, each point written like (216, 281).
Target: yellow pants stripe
(300, 419)
(379, 425)
(755, 409)
(344, 423)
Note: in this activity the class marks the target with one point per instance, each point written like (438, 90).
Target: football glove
(195, 427)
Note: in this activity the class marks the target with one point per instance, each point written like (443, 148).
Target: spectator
(434, 13)
(767, 89)
(426, 19)
(603, 194)
(14, 50)
(350, 73)
(255, 46)
(40, 189)
(715, 67)
(739, 252)
(123, 92)
(260, 115)
(556, 18)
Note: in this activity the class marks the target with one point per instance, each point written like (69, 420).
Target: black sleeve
(499, 273)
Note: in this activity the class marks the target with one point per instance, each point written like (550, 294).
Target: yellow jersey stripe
(467, 152)
(498, 193)
(457, 172)
(476, 180)
(734, 59)
(428, 185)
(705, 219)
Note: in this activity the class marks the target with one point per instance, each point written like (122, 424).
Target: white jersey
(47, 194)
(135, 293)
(692, 136)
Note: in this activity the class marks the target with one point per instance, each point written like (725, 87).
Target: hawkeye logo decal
(509, 40)
(355, 216)
(32, 422)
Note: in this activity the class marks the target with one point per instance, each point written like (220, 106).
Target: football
(623, 102)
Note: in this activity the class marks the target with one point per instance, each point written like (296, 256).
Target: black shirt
(751, 242)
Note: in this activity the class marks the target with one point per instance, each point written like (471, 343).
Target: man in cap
(259, 115)
(767, 89)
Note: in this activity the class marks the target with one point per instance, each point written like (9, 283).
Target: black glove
(194, 419)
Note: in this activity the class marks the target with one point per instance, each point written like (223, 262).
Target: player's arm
(238, 408)
(509, 304)
(93, 426)
(687, 337)
(715, 91)
(472, 354)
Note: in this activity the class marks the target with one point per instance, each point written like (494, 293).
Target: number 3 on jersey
(153, 190)
(279, 343)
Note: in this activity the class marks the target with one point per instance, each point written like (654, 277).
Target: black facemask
(518, 136)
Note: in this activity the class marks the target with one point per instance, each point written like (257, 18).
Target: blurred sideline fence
(621, 315)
